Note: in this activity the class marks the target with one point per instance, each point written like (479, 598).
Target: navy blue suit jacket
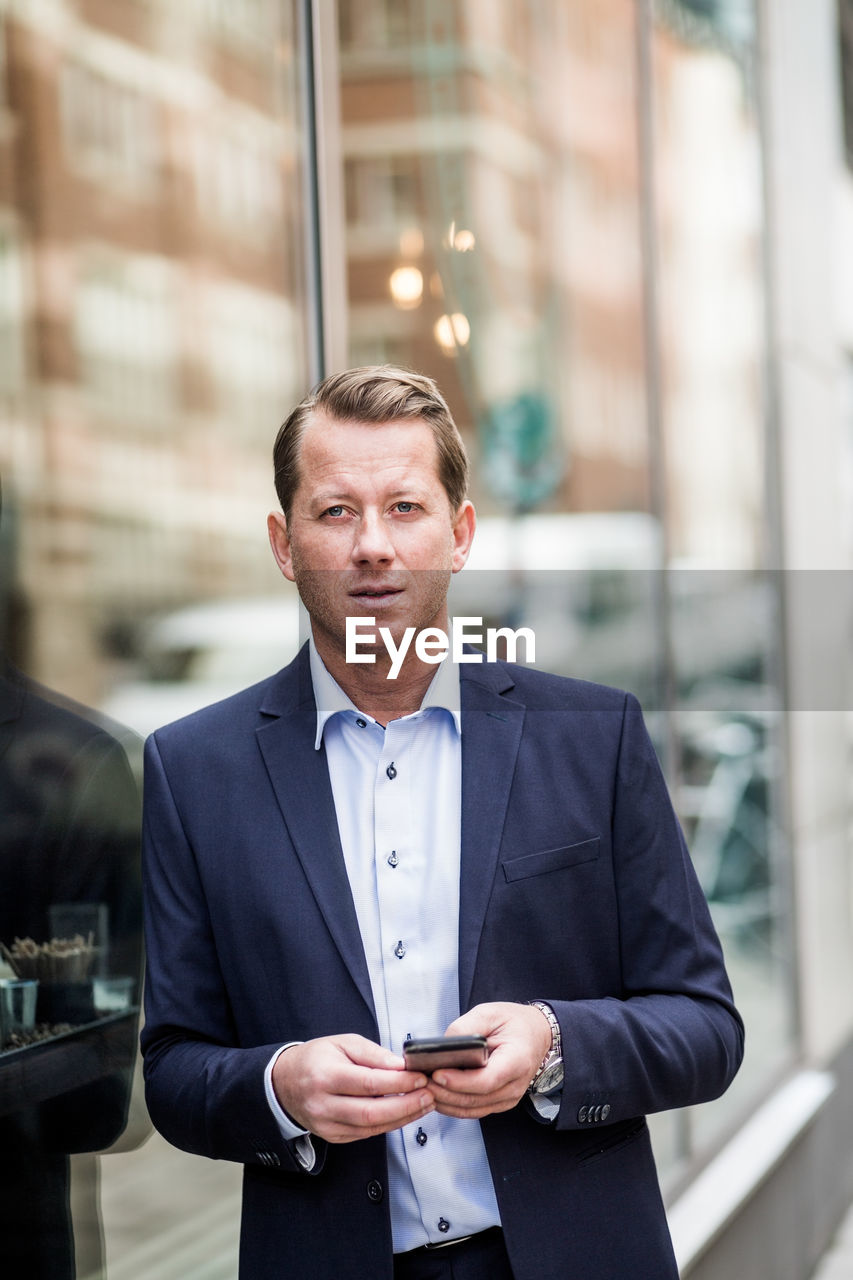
(576, 888)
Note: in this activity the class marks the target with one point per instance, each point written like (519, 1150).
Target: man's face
(371, 531)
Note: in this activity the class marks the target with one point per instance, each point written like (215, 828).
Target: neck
(369, 687)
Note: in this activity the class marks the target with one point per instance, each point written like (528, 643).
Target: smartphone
(445, 1051)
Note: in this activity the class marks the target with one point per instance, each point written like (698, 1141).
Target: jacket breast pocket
(539, 864)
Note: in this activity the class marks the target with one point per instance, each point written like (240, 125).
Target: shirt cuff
(547, 1105)
(303, 1147)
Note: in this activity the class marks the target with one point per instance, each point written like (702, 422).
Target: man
(337, 860)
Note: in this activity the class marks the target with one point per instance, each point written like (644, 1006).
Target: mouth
(374, 594)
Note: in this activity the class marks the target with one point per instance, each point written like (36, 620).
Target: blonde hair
(374, 394)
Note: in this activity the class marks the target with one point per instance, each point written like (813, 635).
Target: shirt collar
(443, 692)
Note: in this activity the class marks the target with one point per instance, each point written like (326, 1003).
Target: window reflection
(152, 317)
(11, 312)
(723, 610)
(109, 130)
(152, 334)
(70, 928)
(497, 180)
(126, 333)
(479, 171)
(153, 322)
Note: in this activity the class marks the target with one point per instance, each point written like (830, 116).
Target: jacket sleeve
(672, 1037)
(204, 1090)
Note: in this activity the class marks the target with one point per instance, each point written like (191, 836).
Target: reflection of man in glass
(68, 860)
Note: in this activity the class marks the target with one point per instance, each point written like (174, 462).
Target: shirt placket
(400, 876)
(397, 880)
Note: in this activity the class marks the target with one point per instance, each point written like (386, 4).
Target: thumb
(365, 1053)
(479, 1021)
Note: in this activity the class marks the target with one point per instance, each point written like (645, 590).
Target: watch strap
(555, 1052)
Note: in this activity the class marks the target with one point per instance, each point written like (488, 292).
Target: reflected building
(151, 301)
(493, 233)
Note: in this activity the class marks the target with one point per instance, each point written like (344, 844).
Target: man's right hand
(343, 1088)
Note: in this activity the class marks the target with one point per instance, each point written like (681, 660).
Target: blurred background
(619, 233)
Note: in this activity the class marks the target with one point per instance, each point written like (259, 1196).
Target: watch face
(551, 1077)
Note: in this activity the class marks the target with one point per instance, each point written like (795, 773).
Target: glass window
(109, 129)
(126, 333)
(11, 311)
(375, 24)
(572, 245)
(554, 209)
(152, 317)
(492, 236)
(845, 31)
(723, 602)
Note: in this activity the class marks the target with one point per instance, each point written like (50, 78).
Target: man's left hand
(518, 1036)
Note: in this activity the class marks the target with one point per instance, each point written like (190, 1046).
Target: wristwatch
(550, 1073)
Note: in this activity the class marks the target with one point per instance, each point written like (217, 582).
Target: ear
(280, 543)
(464, 524)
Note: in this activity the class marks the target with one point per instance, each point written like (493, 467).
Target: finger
(479, 1021)
(360, 1067)
(503, 1070)
(509, 1094)
(478, 1112)
(366, 1053)
(374, 1083)
(346, 1081)
(478, 1081)
(468, 1090)
(350, 1119)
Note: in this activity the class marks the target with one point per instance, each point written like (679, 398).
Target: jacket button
(605, 1111)
(374, 1191)
(582, 1115)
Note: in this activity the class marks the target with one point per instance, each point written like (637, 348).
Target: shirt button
(391, 772)
(443, 1225)
(392, 858)
(362, 724)
(420, 1138)
(374, 1191)
(399, 950)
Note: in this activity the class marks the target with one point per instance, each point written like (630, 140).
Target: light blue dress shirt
(397, 794)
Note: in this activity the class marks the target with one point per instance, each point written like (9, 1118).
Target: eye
(406, 507)
(336, 510)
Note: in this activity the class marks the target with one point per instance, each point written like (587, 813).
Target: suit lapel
(300, 778)
(491, 732)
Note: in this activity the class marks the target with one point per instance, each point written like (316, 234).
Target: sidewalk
(171, 1216)
(837, 1262)
(168, 1215)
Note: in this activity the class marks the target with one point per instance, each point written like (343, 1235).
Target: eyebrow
(330, 497)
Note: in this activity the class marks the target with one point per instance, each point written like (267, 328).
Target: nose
(372, 544)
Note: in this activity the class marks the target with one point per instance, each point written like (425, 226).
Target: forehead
(329, 445)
